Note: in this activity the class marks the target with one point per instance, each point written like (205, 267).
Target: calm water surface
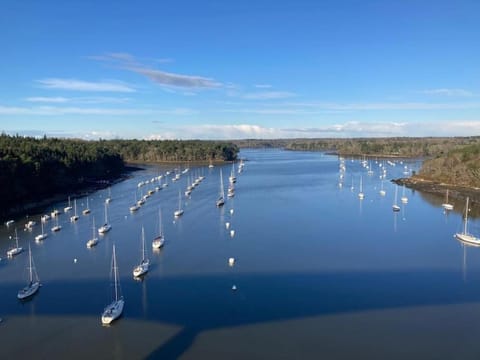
(319, 273)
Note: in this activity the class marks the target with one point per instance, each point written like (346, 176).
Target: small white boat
(142, 268)
(115, 308)
(361, 195)
(106, 227)
(221, 198)
(69, 207)
(17, 249)
(232, 177)
(33, 282)
(10, 222)
(179, 211)
(464, 235)
(75, 216)
(94, 240)
(404, 198)
(41, 236)
(447, 205)
(56, 227)
(29, 225)
(55, 213)
(395, 206)
(45, 218)
(159, 240)
(109, 197)
(86, 211)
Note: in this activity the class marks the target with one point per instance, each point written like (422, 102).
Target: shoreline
(36, 206)
(433, 187)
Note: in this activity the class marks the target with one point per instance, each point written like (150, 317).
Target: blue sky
(240, 69)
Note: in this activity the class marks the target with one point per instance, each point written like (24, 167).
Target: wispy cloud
(268, 95)
(54, 111)
(448, 92)
(44, 99)
(160, 77)
(262, 86)
(80, 85)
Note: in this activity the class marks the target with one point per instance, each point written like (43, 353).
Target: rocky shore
(455, 192)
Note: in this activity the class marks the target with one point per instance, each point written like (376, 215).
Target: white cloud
(269, 95)
(80, 85)
(262, 86)
(448, 92)
(57, 99)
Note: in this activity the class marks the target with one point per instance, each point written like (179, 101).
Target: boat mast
(30, 263)
(221, 183)
(115, 273)
(466, 218)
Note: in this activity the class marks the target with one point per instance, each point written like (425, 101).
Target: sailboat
(159, 240)
(382, 191)
(361, 195)
(106, 227)
(135, 206)
(17, 249)
(232, 177)
(56, 227)
(115, 308)
(221, 199)
(447, 205)
(465, 236)
(404, 198)
(179, 211)
(109, 198)
(41, 236)
(142, 268)
(69, 207)
(33, 281)
(87, 210)
(75, 216)
(94, 240)
(395, 206)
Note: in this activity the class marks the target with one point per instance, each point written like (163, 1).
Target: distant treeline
(33, 169)
(399, 146)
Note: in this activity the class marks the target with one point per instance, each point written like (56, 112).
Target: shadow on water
(205, 303)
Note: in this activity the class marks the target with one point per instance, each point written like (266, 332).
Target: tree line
(33, 169)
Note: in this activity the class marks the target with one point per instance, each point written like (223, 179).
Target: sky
(178, 69)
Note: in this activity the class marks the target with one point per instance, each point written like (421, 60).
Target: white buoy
(232, 233)
(227, 225)
(234, 287)
(75, 260)
(231, 261)
(231, 211)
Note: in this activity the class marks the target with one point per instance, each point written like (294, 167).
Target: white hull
(104, 229)
(74, 218)
(447, 206)
(92, 242)
(41, 237)
(56, 228)
(134, 208)
(67, 209)
(112, 312)
(395, 208)
(14, 251)
(178, 213)
(468, 238)
(28, 290)
(86, 212)
(220, 202)
(141, 269)
(158, 242)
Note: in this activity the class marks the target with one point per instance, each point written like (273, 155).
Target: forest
(33, 169)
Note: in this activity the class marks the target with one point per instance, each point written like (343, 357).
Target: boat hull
(470, 239)
(112, 312)
(28, 290)
(141, 269)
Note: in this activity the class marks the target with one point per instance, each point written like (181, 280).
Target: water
(318, 272)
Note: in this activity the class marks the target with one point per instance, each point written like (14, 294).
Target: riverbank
(90, 187)
(454, 191)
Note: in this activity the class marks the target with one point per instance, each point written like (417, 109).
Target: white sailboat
(17, 249)
(135, 206)
(33, 282)
(109, 197)
(179, 211)
(106, 227)
(94, 240)
(232, 177)
(56, 227)
(75, 216)
(159, 240)
(86, 211)
(404, 198)
(142, 268)
(465, 236)
(395, 206)
(447, 205)
(361, 195)
(382, 190)
(69, 207)
(115, 308)
(41, 236)
(221, 198)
